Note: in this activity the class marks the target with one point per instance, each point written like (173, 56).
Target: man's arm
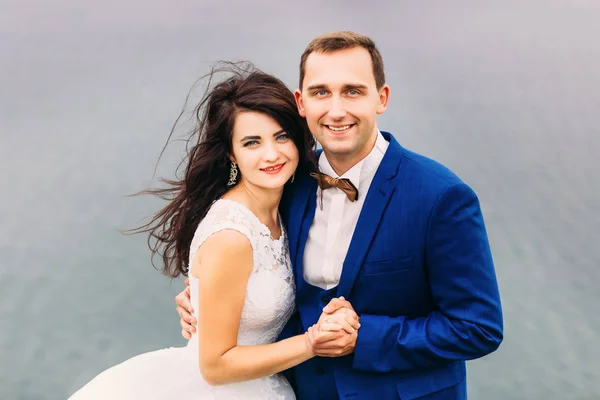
(468, 321)
(184, 309)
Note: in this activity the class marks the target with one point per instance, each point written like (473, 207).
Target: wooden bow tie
(344, 184)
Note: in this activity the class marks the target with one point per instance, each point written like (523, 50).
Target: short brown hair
(342, 40)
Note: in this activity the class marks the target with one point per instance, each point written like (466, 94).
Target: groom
(386, 233)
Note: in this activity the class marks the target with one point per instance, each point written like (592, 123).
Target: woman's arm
(223, 265)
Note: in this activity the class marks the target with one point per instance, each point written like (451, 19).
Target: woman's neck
(264, 203)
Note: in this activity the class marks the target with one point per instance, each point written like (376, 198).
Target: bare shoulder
(226, 241)
(227, 250)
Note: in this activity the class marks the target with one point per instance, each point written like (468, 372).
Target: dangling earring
(233, 173)
(293, 177)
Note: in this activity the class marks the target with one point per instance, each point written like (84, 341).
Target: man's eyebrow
(349, 86)
(258, 137)
(315, 87)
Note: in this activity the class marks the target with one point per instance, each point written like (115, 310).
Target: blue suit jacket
(420, 274)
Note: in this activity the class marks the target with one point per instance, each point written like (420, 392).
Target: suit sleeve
(467, 323)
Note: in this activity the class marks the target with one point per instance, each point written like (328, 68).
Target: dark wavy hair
(206, 166)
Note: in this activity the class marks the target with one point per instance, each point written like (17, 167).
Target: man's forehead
(339, 68)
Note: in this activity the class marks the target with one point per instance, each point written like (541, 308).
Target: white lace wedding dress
(173, 373)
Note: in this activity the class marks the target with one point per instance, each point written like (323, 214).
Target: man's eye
(353, 92)
(321, 93)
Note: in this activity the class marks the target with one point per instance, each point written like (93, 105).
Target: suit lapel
(372, 211)
(302, 212)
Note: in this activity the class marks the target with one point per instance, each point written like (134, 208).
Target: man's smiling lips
(273, 169)
(339, 128)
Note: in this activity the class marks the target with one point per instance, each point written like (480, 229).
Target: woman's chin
(271, 184)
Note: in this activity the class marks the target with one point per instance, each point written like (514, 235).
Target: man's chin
(339, 150)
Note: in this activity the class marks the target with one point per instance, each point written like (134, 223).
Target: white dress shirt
(334, 223)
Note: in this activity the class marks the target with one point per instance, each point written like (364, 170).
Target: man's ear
(299, 103)
(384, 96)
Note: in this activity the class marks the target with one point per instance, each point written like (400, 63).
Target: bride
(222, 227)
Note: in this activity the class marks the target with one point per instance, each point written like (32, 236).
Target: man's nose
(337, 109)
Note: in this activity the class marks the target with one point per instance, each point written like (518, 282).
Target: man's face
(340, 102)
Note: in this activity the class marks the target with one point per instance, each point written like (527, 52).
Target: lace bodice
(271, 291)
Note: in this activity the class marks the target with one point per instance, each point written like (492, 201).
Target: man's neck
(342, 163)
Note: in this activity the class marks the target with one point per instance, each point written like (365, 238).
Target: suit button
(320, 371)
(325, 300)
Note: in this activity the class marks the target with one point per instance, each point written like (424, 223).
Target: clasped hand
(336, 332)
(334, 335)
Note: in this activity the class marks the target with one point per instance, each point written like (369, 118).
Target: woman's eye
(250, 143)
(283, 137)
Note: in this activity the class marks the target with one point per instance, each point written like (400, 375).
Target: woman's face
(265, 154)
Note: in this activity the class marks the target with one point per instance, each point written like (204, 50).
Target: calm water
(506, 93)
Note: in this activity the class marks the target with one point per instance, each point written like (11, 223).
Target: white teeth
(338, 128)
(272, 169)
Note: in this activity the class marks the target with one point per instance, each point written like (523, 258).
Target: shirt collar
(364, 169)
